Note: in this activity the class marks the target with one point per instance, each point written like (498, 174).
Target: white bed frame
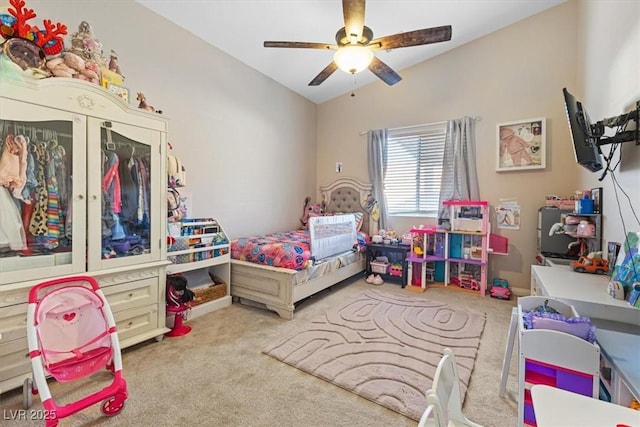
(275, 288)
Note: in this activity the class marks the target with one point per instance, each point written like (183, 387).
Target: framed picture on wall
(521, 145)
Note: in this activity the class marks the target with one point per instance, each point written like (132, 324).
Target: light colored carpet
(218, 376)
(385, 347)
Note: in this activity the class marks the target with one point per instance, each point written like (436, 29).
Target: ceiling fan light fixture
(353, 59)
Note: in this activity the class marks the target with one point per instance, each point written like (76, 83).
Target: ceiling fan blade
(300, 45)
(384, 72)
(413, 38)
(353, 12)
(329, 69)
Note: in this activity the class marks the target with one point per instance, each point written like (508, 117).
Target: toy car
(395, 269)
(590, 265)
(500, 289)
(468, 282)
(500, 293)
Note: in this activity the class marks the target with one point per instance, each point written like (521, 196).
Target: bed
(278, 288)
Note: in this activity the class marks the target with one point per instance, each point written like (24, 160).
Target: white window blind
(414, 169)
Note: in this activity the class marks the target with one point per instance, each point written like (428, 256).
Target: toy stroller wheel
(112, 406)
(27, 393)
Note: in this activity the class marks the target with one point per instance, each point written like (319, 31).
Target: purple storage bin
(539, 369)
(577, 383)
(529, 415)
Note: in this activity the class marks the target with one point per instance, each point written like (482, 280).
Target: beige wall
(515, 73)
(239, 134)
(231, 125)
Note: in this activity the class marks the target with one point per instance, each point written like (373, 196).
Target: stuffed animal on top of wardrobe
(144, 105)
(73, 66)
(310, 210)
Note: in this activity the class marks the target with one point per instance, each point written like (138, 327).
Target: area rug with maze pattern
(385, 347)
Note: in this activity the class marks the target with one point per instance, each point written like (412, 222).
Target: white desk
(617, 323)
(587, 293)
(555, 407)
(620, 347)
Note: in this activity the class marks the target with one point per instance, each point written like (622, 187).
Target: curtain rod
(364, 132)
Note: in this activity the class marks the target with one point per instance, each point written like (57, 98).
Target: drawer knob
(130, 324)
(130, 295)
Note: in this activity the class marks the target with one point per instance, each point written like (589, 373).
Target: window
(414, 169)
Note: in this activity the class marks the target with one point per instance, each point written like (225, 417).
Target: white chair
(445, 394)
(432, 416)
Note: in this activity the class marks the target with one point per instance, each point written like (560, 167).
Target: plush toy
(74, 61)
(310, 210)
(58, 68)
(73, 66)
(143, 104)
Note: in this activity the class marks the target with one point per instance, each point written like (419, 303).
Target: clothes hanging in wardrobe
(11, 232)
(13, 164)
(38, 222)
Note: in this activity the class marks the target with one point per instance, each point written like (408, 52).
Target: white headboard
(348, 195)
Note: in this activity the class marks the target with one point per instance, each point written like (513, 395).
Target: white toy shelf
(549, 357)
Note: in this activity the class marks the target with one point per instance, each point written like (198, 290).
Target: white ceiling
(239, 27)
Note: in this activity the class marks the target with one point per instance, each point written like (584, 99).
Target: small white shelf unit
(199, 250)
(549, 357)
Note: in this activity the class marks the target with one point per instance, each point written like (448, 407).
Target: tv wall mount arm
(622, 122)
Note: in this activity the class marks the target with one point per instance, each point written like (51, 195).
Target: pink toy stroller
(72, 334)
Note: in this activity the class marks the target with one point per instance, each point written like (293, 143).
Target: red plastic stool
(178, 329)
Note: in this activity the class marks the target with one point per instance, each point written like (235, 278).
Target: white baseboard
(210, 306)
(202, 309)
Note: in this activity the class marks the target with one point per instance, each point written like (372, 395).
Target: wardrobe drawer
(15, 359)
(137, 321)
(16, 296)
(132, 294)
(13, 322)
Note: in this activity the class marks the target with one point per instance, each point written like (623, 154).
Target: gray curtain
(459, 172)
(377, 164)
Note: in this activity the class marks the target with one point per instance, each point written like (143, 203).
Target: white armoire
(83, 191)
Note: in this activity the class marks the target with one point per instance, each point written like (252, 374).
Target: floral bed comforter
(291, 249)
(287, 249)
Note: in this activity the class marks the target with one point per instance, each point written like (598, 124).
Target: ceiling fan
(355, 45)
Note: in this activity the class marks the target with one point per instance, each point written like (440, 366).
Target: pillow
(578, 326)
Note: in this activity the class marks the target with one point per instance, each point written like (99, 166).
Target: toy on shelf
(395, 269)
(465, 276)
(467, 281)
(590, 264)
(143, 103)
(27, 45)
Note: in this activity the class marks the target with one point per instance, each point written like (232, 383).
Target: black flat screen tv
(585, 145)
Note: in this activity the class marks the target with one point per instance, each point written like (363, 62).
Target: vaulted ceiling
(239, 28)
